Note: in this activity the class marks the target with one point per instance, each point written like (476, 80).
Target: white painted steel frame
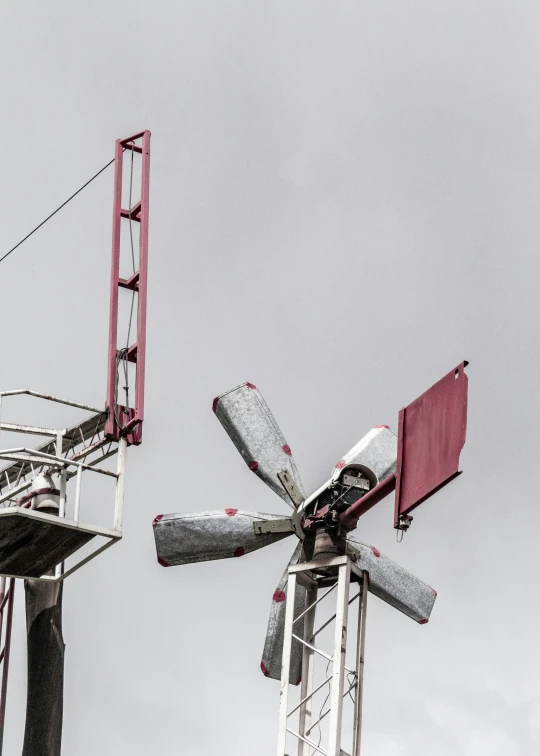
(112, 536)
(336, 680)
(48, 398)
(62, 464)
(55, 433)
(360, 648)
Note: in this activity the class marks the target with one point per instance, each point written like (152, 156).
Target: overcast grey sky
(344, 205)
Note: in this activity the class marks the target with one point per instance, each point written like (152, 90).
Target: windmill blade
(251, 426)
(394, 585)
(273, 646)
(377, 450)
(221, 534)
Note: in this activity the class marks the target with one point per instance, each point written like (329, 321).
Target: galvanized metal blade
(377, 450)
(393, 584)
(273, 646)
(203, 536)
(253, 430)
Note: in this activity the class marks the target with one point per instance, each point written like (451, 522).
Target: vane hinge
(261, 527)
(291, 487)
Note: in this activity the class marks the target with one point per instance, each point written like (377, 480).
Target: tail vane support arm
(431, 436)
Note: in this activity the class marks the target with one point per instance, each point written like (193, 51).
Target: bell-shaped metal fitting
(45, 495)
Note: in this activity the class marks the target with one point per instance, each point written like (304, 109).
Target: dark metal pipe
(350, 517)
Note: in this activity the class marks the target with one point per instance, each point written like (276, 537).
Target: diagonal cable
(57, 209)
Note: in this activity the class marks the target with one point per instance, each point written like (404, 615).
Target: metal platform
(33, 543)
(89, 429)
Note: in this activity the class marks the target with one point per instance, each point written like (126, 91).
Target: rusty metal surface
(204, 536)
(273, 646)
(251, 426)
(392, 583)
(31, 545)
(431, 437)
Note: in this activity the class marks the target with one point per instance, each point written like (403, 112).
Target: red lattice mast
(122, 420)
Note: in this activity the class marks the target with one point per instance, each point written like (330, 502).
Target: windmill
(48, 527)
(326, 561)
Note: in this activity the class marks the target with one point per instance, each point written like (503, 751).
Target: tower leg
(338, 663)
(307, 669)
(361, 642)
(342, 686)
(286, 664)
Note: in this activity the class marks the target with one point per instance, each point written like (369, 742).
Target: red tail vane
(431, 436)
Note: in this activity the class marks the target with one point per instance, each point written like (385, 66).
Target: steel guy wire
(322, 707)
(55, 211)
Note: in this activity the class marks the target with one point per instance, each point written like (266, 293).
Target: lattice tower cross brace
(346, 570)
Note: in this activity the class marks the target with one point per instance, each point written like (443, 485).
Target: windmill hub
(326, 537)
(329, 542)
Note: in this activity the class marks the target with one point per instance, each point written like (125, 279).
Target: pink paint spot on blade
(162, 562)
(215, 404)
(381, 426)
(279, 596)
(240, 551)
(157, 519)
(251, 386)
(253, 466)
(299, 680)
(423, 622)
(231, 512)
(264, 670)
(376, 551)
(340, 465)
(287, 449)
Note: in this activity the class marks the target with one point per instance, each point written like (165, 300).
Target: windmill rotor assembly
(327, 561)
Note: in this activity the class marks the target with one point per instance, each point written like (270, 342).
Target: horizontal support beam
(35, 455)
(36, 431)
(126, 214)
(316, 565)
(134, 147)
(131, 353)
(131, 283)
(49, 398)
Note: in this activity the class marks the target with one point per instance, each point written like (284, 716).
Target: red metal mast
(123, 420)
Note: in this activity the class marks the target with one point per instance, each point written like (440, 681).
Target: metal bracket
(273, 526)
(291, 488)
